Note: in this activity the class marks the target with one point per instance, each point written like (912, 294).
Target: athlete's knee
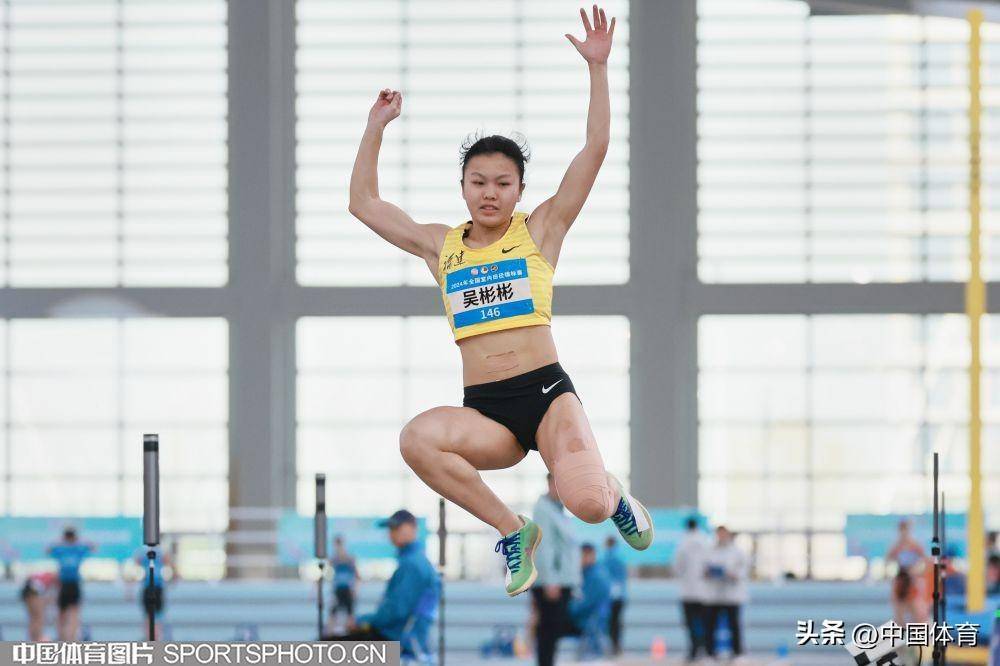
(583, 484)
(421, 435)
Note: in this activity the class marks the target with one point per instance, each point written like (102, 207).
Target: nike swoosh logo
(508, 250)
(546, 389)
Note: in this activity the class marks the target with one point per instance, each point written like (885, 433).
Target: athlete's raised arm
(557, 213)
(388, 221)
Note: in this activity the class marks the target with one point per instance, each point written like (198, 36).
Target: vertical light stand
(151, 513)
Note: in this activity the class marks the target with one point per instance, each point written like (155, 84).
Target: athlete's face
(491, 187)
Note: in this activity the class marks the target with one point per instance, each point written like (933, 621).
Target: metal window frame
(663, 299)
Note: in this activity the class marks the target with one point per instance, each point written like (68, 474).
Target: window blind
(463, 67)
(835, 148)
(114, 147)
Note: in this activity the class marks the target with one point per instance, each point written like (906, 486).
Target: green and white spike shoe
(518, 549)
(632, 519)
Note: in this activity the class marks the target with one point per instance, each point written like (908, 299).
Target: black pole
(320, 548)
(936, 656)
(944, 575)
(442, 538)
(151, 512)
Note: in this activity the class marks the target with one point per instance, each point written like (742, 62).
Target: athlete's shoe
(632, 519)
(519, 550)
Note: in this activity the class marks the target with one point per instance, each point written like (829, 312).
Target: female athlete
(495, 274)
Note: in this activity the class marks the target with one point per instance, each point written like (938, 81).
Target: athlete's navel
(503, 362)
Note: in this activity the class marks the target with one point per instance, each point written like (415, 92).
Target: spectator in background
(345, 578)
(992, 544)
(726, 571)
(408, 604)
(993, 574)
(558, 565)
(954, 579)
(908, 598)
(617, 572)
(591, 610)
(38, 592)
(153, 598)
(69, 554)
(689, 566)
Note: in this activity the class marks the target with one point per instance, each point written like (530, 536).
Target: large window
(463, 67)
(806, 419)
(835, 149)
(114, 143)
(78, 395)
(361, 379)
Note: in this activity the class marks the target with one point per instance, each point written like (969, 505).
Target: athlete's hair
(516, 149)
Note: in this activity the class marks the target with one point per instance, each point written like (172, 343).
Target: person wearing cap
(69, 553)
(410, 595)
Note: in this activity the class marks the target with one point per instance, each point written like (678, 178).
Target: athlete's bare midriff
(490, 357)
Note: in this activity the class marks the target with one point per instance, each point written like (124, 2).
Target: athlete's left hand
(596, 47)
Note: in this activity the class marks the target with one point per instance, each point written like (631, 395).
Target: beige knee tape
(583, 486)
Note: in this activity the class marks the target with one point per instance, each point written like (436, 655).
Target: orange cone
(658, 650)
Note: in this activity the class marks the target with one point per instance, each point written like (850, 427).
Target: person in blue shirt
(591, 610)
(993, 575)
(345, 578)
(407, 606)
(617, 572)
(153, 598)
(69, 554)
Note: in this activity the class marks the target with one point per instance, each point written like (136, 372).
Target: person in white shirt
(689, 565)
(726, 571)
(557, 562)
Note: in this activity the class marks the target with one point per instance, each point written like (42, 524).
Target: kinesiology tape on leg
(583, 487)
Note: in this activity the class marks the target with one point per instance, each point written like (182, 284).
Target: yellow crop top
(507, 284)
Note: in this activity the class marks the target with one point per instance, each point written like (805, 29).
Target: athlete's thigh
(564, 429)
(483, 442)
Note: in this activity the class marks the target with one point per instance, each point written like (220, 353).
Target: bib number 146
(490, 313)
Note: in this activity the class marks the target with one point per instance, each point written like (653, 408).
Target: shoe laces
(510, 546)
(623, 518)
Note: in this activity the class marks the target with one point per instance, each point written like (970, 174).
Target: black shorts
(152, 599)
(345, 599)
(69, 594)
(520, 402)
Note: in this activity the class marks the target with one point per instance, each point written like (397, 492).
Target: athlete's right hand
(386, 108)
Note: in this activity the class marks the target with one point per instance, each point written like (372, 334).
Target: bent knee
(422, 435)
(583, 485)
(594, 509)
